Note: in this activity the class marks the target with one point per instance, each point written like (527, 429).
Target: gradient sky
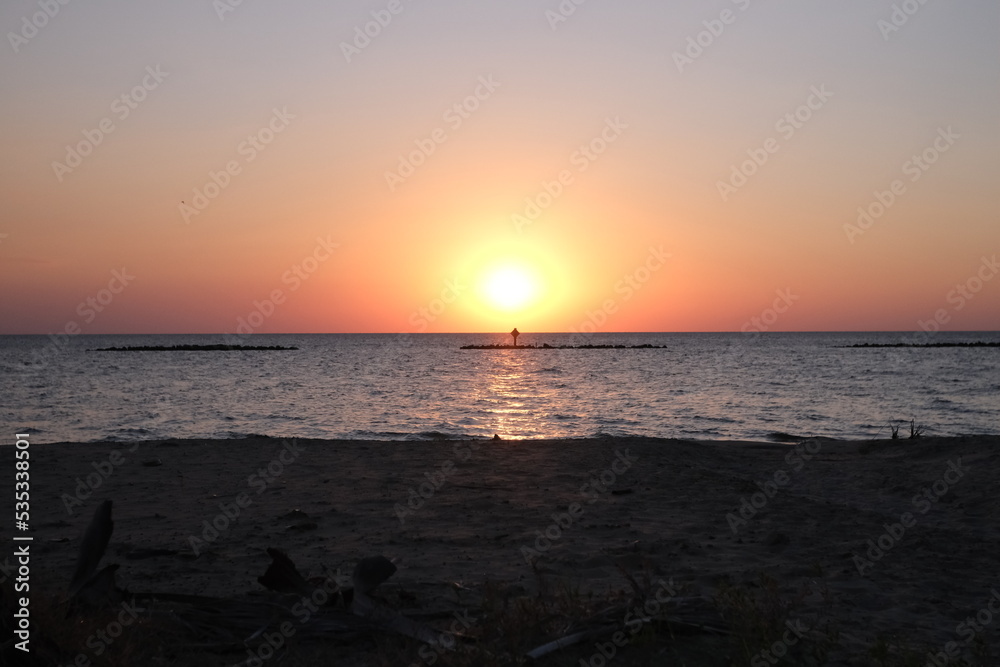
(639, 238)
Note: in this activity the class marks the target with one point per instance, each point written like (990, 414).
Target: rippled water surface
(386, 386)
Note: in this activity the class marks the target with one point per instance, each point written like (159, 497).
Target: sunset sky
(191, 166)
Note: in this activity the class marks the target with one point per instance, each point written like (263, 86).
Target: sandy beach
(859, 547)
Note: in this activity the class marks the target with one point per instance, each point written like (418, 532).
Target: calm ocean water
(383, 386)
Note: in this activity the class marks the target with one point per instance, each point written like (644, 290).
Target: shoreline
(773, 438)
(702, 513)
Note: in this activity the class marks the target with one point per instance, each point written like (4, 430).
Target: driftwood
(677, 614)
(283, 577)
(692, 615)
(89, 586)
(95, 542)
(343, 614)
(370, 572)
(220, 624)
(190, 348)
(557, 644)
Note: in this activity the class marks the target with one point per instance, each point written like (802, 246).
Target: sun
(509, 287)
(511, 283)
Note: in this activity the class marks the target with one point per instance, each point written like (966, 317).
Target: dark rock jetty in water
(189, 348)
(546, 346)
(940, 344)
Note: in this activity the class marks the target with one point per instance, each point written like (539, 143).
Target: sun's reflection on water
(514, 396)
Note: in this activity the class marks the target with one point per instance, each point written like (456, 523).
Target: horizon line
(498, 333)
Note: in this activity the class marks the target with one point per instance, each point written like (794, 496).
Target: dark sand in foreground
(670, 512)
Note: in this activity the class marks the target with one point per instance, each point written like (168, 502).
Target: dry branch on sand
(320, 609)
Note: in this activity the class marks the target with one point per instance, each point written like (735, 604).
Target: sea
(740, 386)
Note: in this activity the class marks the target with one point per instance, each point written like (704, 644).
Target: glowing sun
(509, 287)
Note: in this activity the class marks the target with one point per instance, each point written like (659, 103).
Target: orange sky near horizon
(379, 191)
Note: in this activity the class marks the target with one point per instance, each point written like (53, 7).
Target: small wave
(441, 435)
(430, 435)
(133, 431)
(129, 435)
(363, 434)
(610, 433)
(240, 435)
